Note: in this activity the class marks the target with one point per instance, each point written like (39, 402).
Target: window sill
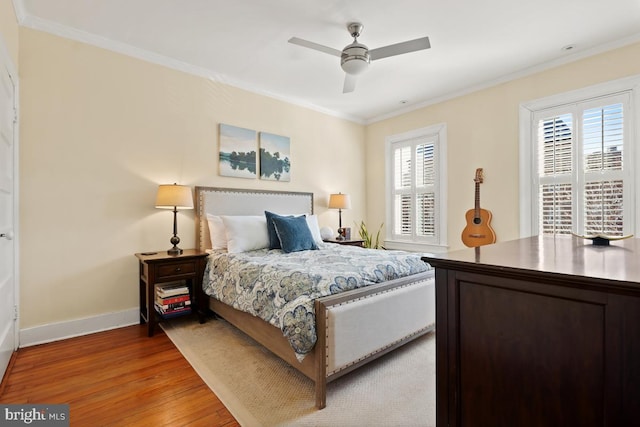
(415, 246)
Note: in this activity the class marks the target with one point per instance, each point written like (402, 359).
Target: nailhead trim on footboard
(391, 331)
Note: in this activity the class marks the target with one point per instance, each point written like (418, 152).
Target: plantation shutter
(414, 189)
(555, 167)
(603, 144)
(582, 180)
(425, 190)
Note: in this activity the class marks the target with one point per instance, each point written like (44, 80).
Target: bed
(350, 328)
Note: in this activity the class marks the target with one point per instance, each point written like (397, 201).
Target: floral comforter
(281, 288)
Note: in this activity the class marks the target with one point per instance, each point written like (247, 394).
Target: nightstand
(353, 242)
(159, 267)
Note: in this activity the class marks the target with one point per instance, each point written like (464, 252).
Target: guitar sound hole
(477, 221)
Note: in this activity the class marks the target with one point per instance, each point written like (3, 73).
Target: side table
(353, 242)
(160, 267)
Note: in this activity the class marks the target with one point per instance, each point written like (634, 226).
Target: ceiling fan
(355, 57)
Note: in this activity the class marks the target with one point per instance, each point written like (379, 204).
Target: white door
(8, 301)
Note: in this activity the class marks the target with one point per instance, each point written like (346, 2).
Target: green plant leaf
(367, 237)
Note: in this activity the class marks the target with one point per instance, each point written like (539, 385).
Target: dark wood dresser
(542, 331)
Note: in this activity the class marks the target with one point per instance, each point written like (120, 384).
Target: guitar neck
(477, 208)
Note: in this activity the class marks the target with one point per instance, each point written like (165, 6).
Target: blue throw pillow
(274, 241)
(294, 233)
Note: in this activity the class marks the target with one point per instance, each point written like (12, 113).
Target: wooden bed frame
(353, 328)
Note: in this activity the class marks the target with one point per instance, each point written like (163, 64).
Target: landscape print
(237, 152)
(275, 163)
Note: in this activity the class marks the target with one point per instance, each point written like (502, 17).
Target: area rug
(261, 390)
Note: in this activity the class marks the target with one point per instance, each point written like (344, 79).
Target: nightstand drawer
(177, 269)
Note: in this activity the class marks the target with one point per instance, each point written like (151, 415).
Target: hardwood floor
(115, 378)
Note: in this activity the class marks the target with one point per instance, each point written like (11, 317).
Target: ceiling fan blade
(400, 48)
(315, 46)
(349, 83)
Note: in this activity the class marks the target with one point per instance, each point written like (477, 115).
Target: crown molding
(148, 56)
(47, 26)
(19, 9)
(513, 76)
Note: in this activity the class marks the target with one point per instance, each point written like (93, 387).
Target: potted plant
(369, 241)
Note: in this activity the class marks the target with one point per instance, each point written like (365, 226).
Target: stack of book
(172, 300)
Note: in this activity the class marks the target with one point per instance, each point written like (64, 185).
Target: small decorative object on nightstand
(340, 201)
(159, 267)
(326, 233)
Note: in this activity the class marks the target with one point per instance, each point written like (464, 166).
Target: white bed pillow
(217, 232)
(312, 222)
(245, 233)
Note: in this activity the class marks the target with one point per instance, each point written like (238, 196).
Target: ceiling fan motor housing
(355, 58)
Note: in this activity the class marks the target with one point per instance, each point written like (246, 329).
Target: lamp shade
(339, 201)
(172, 196)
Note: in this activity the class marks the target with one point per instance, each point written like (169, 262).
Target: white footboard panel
(391, 316)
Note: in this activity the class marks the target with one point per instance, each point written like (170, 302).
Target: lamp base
(174, 251)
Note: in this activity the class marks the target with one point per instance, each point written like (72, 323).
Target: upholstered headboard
(233, 201)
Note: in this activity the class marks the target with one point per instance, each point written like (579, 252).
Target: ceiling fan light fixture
(355, 58)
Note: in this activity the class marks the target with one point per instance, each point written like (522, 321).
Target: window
(416, 202)
(581, 162)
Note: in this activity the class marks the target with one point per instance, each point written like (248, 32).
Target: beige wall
(99, 132)
(9, 30)
(483, 132)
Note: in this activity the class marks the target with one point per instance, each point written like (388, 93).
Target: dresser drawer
(176, 270)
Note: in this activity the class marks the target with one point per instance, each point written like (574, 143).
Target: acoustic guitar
(478, 231)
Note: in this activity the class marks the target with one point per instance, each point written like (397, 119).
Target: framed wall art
(238, 157)
(275, 157)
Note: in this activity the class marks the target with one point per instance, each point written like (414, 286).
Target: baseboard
(77, 327)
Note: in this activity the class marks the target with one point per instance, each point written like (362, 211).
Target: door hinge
(15, 312)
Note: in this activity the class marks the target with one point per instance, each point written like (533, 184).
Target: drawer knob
(178, 269)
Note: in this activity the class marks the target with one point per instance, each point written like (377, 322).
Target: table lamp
(174, 197)
(340, 201)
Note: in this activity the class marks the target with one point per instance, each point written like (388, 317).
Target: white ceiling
(244, 42)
